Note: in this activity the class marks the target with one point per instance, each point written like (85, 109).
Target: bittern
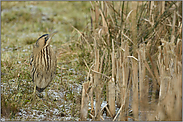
(43, 63)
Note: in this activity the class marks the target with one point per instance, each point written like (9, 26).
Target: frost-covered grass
(21, 24)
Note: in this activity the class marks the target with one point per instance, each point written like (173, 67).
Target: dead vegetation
(131, 51)
(134, 62)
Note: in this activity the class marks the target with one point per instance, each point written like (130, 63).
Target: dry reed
(137, 60)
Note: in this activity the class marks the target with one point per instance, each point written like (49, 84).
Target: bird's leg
(35, 96)
(46, 93)
(45, 99)
(34, 93)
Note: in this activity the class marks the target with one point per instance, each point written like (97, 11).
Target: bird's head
(43, 41)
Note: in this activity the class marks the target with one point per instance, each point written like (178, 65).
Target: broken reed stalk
(125, 74)
(134, 27)
(142, 82)
(91, 95)
(97, 84)
(135, 104)
(118, 94)
(127, 77)
(134, 62)
(119, 79)
(84, 102)
(111, 85)
(173, 27)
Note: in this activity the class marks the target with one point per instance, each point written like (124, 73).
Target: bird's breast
(44, 66)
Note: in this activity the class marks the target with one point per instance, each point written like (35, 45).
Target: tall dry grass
(134, 60)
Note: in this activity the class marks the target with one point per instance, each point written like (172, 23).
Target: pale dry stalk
(143, 84)
(135, 88)
(84, 102)
(111, 85)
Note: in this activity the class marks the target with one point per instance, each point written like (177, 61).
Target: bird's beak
(50, 36)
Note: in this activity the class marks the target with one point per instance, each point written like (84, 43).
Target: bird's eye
(45, 39)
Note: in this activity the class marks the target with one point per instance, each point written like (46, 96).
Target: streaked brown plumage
(43, 62)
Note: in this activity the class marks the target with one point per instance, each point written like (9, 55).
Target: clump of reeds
(133, 46)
